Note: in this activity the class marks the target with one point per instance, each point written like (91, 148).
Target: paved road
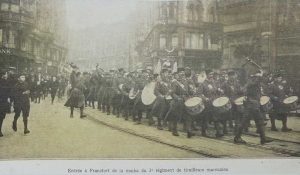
(55, 135)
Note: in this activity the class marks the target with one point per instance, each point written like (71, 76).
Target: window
(194, 40)
(4, 6)
(162, 41)
(15, 8)
(1, 39)
(174, 40)
(172, 10)
(12, 39)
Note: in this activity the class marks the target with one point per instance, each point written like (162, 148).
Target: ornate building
(186, 32)
(266, 31)
(32, 34)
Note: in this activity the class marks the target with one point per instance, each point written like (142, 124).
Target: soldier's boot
(118, 112)
(239, 140)
(218, 130)
(103, 109)
(225, 130)
(174, 129)
(14, 125)
(159, 126)
(108, 110)
(273, 126)
(263, 138)
(81, 113)
(93, 104)
(284, 125)
(1, 122)
(26, 130)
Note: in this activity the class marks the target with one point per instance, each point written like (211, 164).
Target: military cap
(208, 71)
(231, 73)
(180, 69)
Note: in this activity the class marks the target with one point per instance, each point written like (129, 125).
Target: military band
(214, 99)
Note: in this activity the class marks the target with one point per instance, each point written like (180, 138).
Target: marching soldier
(53, 88)
(279, 91)
(253, 110)
(233, 90)
(21, 102)
(178, 93)
(126, 105)
(4, 96)
(162, 92)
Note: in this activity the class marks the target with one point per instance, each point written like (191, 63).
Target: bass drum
(133, 93)
(222, 104)
(265, 103)
(239, 103)
(148, 96)
(194, 106)
(291, 103)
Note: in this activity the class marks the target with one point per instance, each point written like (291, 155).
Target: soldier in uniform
(117, 97)
(4, 96)
(232, 90)
(126, 106)
(278, 92)
(209, 90)
(162, 92)
(21, 102)
(253, 109)
(178, 93)
(53, 88)
(108, 92)
(76, 99)
(138, 106)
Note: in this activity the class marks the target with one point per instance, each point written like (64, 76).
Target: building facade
(32, 35)
(185, 32)
(267, 31)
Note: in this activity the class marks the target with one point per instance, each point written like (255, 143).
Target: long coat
(4, 94)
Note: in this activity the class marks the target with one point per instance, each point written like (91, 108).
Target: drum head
(193, 102)
(148, 96)
(222, 101)
(121, 86)
(290, 100)
(264, 100)
(239, 101)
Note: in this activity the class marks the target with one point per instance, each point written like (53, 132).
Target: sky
(88, 13)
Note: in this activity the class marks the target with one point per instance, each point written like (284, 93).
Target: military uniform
(252, 110)
(4, 105)
(21, 104)
(278, 92)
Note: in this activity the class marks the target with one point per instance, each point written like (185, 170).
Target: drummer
(162, 91)
(208, 92)
(253, 110)
(279, 91)
(232, 90)
(178, 93)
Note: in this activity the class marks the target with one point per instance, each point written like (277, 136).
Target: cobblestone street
(55, 135)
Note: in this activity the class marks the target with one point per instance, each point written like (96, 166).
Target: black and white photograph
(146, 80)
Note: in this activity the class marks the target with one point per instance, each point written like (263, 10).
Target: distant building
(186, 32)
(267, 31)
(32, 35)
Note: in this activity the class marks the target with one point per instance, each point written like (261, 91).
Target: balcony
(16, 18)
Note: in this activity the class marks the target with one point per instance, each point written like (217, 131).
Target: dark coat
(4, 94)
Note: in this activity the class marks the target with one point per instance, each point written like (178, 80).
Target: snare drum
(291, 103)
(222, 104)
(194, 106)
(239, 103)
(265, 103)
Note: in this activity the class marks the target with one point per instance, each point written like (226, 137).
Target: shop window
(15, 8)
(194, 40)
(174, 40)
(4, 6)
(162, 41)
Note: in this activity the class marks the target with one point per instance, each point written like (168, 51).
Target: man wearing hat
(253, 109)
(179, 93)
(278, 92)
(4, 95)
(233, 90)
(162, 91)
(21, 102)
